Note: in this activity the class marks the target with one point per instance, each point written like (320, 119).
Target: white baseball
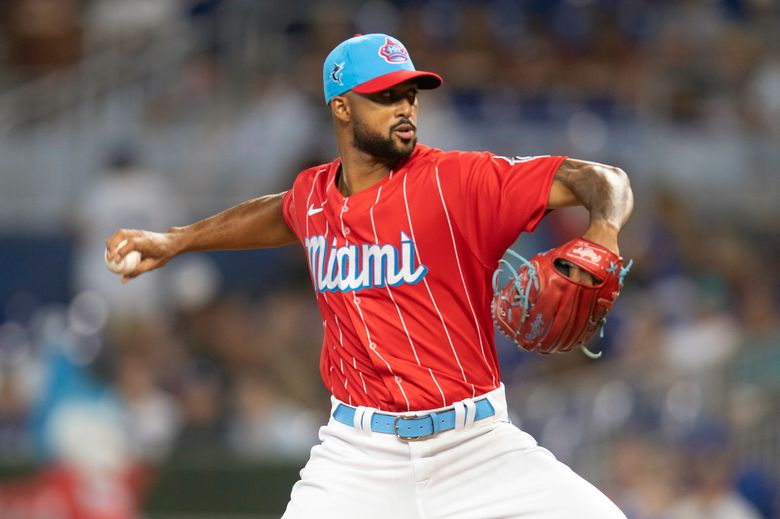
(126, 265)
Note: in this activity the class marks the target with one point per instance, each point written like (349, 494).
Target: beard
(383, 148)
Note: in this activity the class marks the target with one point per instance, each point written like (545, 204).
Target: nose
(404, 108)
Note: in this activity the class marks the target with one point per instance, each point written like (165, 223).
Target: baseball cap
(369, 63)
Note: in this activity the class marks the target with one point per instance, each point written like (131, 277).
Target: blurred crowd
(712, 63)
(216, 357)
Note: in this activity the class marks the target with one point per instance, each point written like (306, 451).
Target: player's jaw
(396, 145)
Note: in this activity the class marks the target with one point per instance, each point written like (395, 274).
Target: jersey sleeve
(492, 199)
(288, 212)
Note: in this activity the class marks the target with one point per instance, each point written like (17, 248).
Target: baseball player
(402, 241)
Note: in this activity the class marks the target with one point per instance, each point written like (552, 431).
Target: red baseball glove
(542, 309)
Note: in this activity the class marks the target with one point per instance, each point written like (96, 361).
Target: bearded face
(384, 123)
(388, 146)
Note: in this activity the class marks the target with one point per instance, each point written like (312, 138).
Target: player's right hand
(156, 249)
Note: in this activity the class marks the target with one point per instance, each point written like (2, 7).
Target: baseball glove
(544, 310)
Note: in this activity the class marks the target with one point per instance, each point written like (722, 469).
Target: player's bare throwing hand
(402, 240)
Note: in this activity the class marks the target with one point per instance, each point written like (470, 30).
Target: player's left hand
(559, 299)
(577, 274)
(601, 233)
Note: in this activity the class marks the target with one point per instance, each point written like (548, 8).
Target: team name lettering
(356, 267)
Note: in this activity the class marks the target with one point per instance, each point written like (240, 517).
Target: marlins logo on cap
(335, 74)
(371, 63)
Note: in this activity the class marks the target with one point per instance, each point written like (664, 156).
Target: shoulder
(310, 174)
(462, 166)
(450, 159)
(315, 174)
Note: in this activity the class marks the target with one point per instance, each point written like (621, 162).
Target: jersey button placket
(344, 228)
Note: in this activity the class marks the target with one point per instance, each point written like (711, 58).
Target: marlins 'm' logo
(393, 52)
(335, 74)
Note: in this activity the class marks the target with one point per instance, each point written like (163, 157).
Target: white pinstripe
(443, 398)
(433, 300)
(374, 349)
(389, 292)
(331, 180)
(397, 308)
(365, 325)
(463, 279)
(341, 335)
(341, 218)
(341, 360)
(308, 199)
(292, 197)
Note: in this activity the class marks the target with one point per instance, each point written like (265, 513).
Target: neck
(360, 171)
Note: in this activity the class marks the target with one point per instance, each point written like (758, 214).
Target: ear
(341, 109)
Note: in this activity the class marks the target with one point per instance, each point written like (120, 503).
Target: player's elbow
(604, 190)
(620, 176)
(618, 186)
(611, 178)
(609, 175)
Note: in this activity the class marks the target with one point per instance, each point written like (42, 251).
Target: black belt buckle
(412, 438)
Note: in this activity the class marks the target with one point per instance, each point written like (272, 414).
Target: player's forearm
(605, 191)
(256, 223)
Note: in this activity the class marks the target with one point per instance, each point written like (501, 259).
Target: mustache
(402, 122)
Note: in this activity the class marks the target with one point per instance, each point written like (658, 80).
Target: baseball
(126, 265)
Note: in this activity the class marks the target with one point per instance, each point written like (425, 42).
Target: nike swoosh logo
(314, 210)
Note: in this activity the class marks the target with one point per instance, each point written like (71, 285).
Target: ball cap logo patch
(335, 74)
(393, 52)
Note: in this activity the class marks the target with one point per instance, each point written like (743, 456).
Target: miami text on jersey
(356, 267)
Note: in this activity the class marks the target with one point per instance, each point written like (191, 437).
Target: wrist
(603, 233)
(178, 240)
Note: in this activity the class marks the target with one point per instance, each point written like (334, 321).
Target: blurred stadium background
(194, 393)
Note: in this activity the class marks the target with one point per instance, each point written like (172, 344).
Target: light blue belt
(413, 427)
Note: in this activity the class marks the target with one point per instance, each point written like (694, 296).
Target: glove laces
(613, 268)
(522, 292)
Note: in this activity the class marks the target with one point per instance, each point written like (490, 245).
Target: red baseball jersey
(403, 271)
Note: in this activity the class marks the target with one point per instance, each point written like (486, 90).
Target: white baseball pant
(487, 469)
